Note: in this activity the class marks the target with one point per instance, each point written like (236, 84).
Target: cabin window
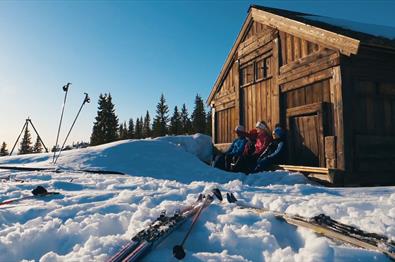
(256, 70)
(247, 74)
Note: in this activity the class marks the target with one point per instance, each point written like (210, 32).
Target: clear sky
(135, 50)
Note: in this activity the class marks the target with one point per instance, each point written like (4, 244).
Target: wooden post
(337, 101)
(275, 103)
(213, 134)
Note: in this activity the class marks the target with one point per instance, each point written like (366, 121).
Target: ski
(330, 228)
(38, 192)
(60, 170)
(158, 230)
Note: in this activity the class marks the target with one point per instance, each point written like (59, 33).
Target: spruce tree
(147, 125)
(3, 150)
(123, 131)
(199, 116)
(138, 129)
(176, 123)
(105, 127)
(112, 121)
(131, 129)
(98, 133)
(161, 119)
(208, 123)
(38, 147)
(186, 125)
(26, 143)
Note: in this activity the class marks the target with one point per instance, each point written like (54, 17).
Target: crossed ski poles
(86, 100)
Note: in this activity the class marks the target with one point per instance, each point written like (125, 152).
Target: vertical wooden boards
(224, 125)
(214, 138)
(275, 88)
(237, 90)
(337, 101)
(330, 151)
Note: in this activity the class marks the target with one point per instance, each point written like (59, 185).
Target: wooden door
(306, 135)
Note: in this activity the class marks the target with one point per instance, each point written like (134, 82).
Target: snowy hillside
(96, 214)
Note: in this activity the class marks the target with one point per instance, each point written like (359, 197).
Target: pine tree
(176, 123)
(161, 119)
(186, 125)
(147, 125)
(131, 129)
(38, 147)
(26, 143)
(123, 131)
(199, 116)
(3, 150)
(138, 129)
(98, 132)
(112, 121)
(105, 127)
(208, 123)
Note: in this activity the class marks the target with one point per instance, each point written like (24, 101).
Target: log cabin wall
(369, 89)
(311, 102)
(225, 109)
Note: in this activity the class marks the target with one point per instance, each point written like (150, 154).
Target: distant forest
(107, 127)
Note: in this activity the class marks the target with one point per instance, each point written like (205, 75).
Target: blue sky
(135, 50)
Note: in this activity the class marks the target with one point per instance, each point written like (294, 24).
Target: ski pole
(178, 250)
(65, 89)
(86, 100)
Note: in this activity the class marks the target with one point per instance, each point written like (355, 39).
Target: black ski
(328, 227)
(158, 230)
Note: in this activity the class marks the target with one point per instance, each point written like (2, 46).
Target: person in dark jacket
(235, 150)
(275, 153)
(243, 162)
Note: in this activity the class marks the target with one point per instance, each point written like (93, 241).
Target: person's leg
(264, 164)
(219, 162)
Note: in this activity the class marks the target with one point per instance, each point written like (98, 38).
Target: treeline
(107, 127)
(26, 146)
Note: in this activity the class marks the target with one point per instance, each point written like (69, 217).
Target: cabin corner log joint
(332, 88)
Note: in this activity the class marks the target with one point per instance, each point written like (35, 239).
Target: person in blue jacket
(275, 153)
(235, 150)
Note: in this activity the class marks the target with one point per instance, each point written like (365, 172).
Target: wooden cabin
(328, 81)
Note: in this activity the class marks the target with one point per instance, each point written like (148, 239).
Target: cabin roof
(338, 34)
(366, 33)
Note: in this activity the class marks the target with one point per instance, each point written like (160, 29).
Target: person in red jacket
(263, 139)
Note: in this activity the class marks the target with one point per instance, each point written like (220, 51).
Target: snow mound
(95, 214)
(180, 158)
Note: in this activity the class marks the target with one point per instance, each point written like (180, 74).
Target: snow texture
(96, 214)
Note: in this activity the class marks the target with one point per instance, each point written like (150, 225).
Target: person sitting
(275, 152)
(235, 150)
(262, 141)
(243, 162)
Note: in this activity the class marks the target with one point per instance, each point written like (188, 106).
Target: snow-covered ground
(96, 214)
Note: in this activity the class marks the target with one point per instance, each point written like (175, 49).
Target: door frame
(318, 109)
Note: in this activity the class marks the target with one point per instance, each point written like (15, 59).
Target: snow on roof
(370, 29)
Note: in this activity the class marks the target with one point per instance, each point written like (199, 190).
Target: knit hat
(279, 132)
(261, 125)
(239, 128)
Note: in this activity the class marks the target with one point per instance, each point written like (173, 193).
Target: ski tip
(178, 252)
(217, 193)
(231, 198)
